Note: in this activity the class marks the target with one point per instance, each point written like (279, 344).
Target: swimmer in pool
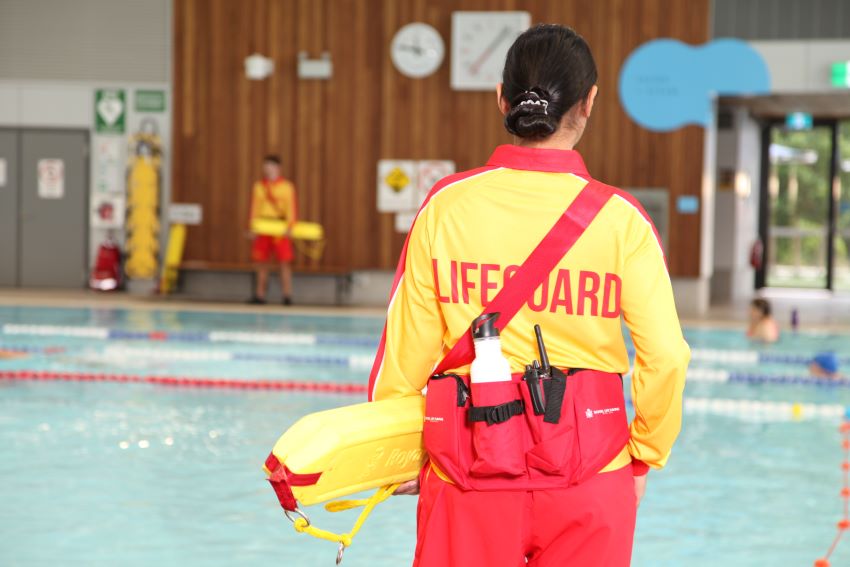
(6, 354)
(763, 327)
(824, 365)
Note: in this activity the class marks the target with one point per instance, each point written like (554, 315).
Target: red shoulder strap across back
(558, 241)
(267, 185)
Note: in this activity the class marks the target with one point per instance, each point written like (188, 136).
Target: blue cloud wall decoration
(666, 84)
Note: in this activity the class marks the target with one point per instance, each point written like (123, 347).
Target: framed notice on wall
(51, 179)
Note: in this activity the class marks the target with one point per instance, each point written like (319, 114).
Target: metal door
(8, 208)
(54, 208)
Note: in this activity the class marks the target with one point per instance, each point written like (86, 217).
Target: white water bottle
(489, 365)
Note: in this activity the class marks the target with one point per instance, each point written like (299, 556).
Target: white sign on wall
(107, 211)
(397, 190)
(108, 164)
(404, 221)
(51, 178)
(429, 172)
(2, 172)
(185, 213)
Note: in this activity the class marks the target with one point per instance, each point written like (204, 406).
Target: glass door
(841, 246)
(798, 208)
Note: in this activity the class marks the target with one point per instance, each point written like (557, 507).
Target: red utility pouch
(555, 443)
(446, 429)
(591, 431)
(497, 429)
(602, 426)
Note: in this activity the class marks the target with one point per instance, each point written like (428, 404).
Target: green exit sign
(841, 74)
(150, 101)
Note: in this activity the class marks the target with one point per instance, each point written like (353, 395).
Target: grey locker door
(54, 219)
(8, 208)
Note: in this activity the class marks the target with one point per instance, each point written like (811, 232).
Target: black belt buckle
(498, 414)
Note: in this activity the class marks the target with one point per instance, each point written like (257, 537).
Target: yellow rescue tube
(300, 231)
(338, 452)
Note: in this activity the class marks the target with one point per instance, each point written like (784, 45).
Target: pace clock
(480, 42)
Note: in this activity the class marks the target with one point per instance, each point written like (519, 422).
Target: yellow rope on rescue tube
(303, 525)
(313, 249)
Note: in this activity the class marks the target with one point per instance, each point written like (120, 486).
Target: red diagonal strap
(271, 198)
(558, 241)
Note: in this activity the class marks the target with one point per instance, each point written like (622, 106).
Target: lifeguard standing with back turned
(527, 265)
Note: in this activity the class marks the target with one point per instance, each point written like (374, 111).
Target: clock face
(480, 42)
(417, 50)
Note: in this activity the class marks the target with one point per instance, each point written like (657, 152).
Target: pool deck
(818, 310)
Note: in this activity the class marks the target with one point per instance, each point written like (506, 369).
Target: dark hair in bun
(549, 68)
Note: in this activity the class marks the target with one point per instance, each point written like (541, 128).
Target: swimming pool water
(136, 474)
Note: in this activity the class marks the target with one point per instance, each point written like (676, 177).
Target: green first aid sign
(150, 101)
(110, 111)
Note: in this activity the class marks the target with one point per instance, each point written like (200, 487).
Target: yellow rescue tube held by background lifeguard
(338, 452)
(300, 231)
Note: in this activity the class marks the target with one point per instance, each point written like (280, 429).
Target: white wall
(802, 66)
(85, 40)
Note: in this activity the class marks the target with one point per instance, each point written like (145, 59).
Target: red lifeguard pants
(588, 525)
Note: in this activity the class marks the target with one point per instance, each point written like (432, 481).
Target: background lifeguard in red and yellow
(273, 198)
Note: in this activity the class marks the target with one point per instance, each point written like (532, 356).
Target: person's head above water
(759, 309)
(548, 86)
(824, 365)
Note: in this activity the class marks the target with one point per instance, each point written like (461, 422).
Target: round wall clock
(417, 50)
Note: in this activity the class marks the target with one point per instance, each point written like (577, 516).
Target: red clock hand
(476, 65)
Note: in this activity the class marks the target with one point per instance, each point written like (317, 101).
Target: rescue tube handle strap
(303, 525)
(496, 414)
(566, 231)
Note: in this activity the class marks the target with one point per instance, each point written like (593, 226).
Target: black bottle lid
(484, 327)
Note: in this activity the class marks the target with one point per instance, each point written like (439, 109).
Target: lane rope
(844, 523)
(123, 352)
(244, 384)
(767, 410)
(250, 337)
(720, 376)
(717, 406)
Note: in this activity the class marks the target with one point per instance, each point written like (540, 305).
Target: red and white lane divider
(747, 409)
(844, 523)
(188, 381)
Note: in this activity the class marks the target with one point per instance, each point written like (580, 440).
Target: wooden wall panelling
(330, 134)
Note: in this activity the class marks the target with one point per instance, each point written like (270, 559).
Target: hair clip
(538, 102)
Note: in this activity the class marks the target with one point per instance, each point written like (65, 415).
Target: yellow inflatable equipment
(143, 179)
(300, 231)
(173, 257)
(345, 450)
(309, 237)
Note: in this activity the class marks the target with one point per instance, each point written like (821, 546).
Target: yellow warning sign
(397, 179)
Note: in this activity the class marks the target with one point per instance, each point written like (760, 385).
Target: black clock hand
(476, 66)
(414, 48)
